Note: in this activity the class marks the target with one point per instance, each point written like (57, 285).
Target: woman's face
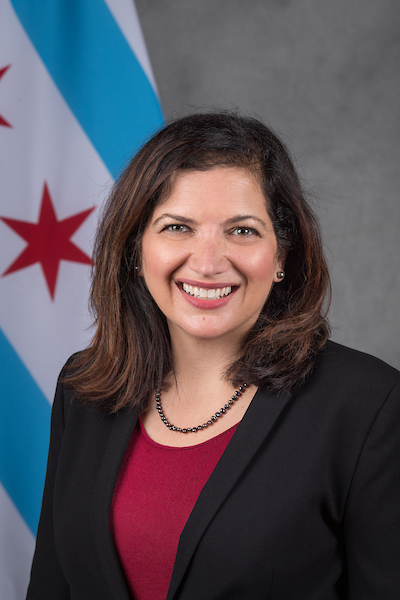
(209, 254)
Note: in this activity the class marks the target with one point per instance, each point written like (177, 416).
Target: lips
(206, 294)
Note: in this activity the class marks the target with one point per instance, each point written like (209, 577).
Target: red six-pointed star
(3, 121)
(48, 241)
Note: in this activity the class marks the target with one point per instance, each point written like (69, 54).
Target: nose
(208, 255)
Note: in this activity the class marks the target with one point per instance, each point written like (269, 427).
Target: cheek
(259, 266)
(158, 260)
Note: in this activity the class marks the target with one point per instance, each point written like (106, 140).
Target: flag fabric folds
(77, 99)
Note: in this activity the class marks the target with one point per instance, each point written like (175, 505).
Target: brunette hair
(130, 354)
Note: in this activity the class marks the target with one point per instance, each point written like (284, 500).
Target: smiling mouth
(212, 294)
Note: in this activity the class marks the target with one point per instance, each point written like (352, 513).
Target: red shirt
(155, 493)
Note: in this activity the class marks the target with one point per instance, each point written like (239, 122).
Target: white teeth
(199, 292)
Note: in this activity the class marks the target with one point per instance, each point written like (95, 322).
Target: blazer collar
(255, 427)
(114, 452)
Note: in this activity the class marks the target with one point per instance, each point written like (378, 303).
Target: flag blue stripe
(24, 434)
(96, 71)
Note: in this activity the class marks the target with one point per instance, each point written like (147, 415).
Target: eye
(244, 231)
(176, 228)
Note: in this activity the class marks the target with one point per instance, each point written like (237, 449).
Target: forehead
(218, 189)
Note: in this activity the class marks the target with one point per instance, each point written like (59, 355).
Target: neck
(200, 364)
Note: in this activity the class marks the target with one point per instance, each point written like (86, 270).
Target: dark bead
(217, 414)
(184, 430)
(199, 427)
(226, 406)
(178, 429)
(204, 426)
(230, 402)
(170, 427)
(222, 410)
(173, 428)
(213, 418)
(245, 385)
(238, 393)
(233, 397)
(209, 422)
(189, 429)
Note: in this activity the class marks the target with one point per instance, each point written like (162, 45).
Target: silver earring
(280, 274)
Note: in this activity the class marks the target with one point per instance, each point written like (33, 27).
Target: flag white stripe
(16, 554)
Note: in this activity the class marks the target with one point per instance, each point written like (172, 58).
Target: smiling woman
(211, 422)
(201, 160)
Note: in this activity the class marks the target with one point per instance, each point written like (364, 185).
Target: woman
(211, 443)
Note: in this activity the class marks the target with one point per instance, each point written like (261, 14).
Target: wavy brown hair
(130, 354)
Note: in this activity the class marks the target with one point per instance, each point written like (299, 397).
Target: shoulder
(67, 404)
(64, 395)
(351, 378)
(352, 366)
(71, 363)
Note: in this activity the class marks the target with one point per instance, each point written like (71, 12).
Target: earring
(280, 274)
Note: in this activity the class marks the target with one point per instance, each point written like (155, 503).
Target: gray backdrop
(325, 75)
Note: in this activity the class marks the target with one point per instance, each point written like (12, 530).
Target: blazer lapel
(254, 428)
(124, 423)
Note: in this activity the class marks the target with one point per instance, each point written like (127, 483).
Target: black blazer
(303, 505)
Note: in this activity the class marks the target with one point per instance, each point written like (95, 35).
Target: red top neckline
(214, 438)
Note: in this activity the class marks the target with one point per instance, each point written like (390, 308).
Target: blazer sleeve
(372, 521)
(47, 580)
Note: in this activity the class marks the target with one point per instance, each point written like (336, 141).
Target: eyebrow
(244, 218)
(229, 221)
(174, 217)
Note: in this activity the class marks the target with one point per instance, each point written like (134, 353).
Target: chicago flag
(77, 98)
